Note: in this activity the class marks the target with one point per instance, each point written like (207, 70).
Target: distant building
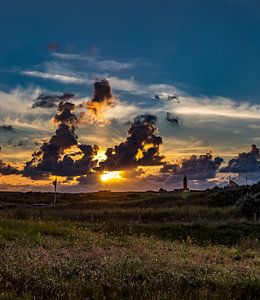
(185, 182)
(185, 185)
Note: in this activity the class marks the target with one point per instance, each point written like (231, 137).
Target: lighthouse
(185, 183)
(184, 187)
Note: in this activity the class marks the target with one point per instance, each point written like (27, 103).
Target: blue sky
(207, 47)
(205, 51)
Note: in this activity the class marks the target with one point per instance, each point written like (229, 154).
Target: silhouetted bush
(249, 203)
(230, 196)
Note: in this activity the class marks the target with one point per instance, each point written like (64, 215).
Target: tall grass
(81, 264)
(128, 246)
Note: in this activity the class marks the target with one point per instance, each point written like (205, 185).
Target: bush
(230, 196)
(224, 198)
(249, 203)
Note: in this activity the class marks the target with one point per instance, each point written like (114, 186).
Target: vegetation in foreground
(201, 245)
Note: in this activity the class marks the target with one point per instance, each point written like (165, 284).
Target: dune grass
(127, 246)
(48, 261)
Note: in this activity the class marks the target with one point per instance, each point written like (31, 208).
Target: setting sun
(111, 176)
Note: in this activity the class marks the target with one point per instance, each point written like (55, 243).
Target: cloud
(209, 122)
(173, 120)
(54, 46)
(62, 155)
(164, 89)
(16, 101)
(246, 162)
(141, 147)
(196, 167)
(15, 110)
(8, 128)
(57, 77)
(49, 101)
(126, 85)
(101, 64)
(7, 169)
(102, 100)
(217, 106)
(207, 107)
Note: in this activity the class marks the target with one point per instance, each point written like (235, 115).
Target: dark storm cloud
(91, 179)
(49, 101)
(102, 99)
(7, 169)
(196, 167)
(246, 162)
(102, 91)
(173, 120)
(8, 128)
(170, 168)
(141, 147)
(54, 156)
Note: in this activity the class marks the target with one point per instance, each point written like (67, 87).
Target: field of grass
(128, 246)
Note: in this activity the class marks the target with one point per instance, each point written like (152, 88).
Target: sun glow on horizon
(112, 176)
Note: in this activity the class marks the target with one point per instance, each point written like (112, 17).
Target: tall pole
(55, 192)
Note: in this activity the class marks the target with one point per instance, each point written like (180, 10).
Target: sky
(195, 60)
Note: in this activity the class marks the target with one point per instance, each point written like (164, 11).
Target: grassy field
(197, 245)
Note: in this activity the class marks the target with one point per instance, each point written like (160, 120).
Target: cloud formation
(8, 128)
(7, 169)
(102, 100)
(173, 120)
(220, 114)
(62, 155)
(216, 106)
(49, 101)
(100, 64)
(141, 147)
(196, 167)
(246, 162)
(64, 78)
